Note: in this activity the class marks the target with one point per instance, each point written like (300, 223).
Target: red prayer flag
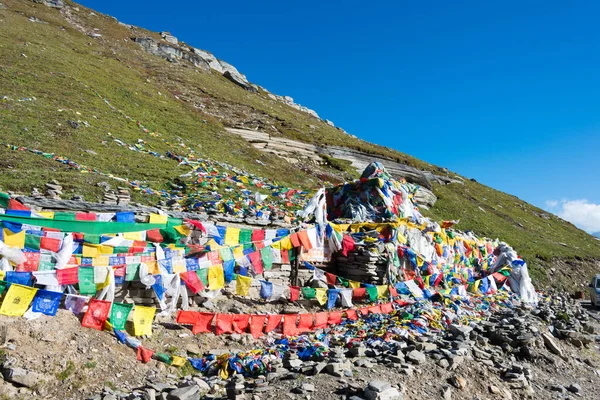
(257, 323)
(294, 293)
(335, 318)
(214, 257)
(273, 322)
(17, 205)
(31, 263)
(200, 321)
(96, 314)
(51, 244)
(83, 216)
(144, 355)
(153, 235)
(347, 245)
(394, 291)
(256, 261)
(285, 257)
(258, 235)
(289, 325)
(321, 320)
(303, 236)
(77, 237)
(352, 315)
(359, 293)
(192, 281)
(374, 309)
(224, 324)
(331, 278)
(240, 323)
(197, 224)
(364, 310)
(259, 245)
(67, 276)
(387, 308)
(305, 323)
(295, 240)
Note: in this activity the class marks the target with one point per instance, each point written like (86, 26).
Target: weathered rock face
(296, 151)
(210, 59)
(171, 53)
(51, 3)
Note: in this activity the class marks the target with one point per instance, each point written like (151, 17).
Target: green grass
(179, 104)
(68, 371)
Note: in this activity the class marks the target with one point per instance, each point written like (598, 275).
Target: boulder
(239, 80)
(23, 377)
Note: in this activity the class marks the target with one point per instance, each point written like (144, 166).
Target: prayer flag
(46, 302)
(17, 300)
(119, 314)
(142, 320)
(96, 314)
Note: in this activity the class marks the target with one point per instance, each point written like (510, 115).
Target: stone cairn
(121, 197)
(53, 190)
(364, 264)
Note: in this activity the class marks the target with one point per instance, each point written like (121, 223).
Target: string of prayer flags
(200, 321)
(142, 320)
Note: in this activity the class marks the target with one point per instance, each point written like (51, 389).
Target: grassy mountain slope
(70, 74)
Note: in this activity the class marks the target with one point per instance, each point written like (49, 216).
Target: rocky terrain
(551, 351)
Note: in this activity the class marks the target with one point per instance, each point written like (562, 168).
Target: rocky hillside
(86, 98)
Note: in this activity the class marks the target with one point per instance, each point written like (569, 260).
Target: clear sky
(504, 92)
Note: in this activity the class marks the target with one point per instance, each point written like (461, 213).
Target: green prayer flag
(132, 272)
(32, 241)
(46, 263)
(226, 253)
(203, 275)
(64, 216)
(3, 285)
(86, 280)
(121, 250)
(343, 281)
(119, 314)
(245, 235)
(267, 257)
(91, 238)
(291, 254)
(163, 357)
(309, 293)
(4, 198)
(372, 292)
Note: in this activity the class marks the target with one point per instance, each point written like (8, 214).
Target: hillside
(81, 86)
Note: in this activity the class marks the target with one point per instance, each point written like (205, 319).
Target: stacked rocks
(123, 196)
(364, 264)
(53, 190)
(36, 194)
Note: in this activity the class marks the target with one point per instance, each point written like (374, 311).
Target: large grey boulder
(239, 80)
(23, 377)
(210, 59)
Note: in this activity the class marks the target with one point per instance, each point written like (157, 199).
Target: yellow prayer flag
(354, 284)
(184, 230)
(90, 250)
(286, 243)
(134, 236)
(232, 236)
(153, 267)
(321, 295)
(179, 266)
(178, 361)
(158, 219)
(238, 251)
(106, 283)
(216, 279)
(17, 300)
(276, 245)
(242, 285)
(2, 275)
(142, 320)
(213, 244)
(46, 214)
(100, 261)
(14, 239)
(382, 291)
(106, 249)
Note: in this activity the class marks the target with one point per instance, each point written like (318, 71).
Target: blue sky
(504, 93)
